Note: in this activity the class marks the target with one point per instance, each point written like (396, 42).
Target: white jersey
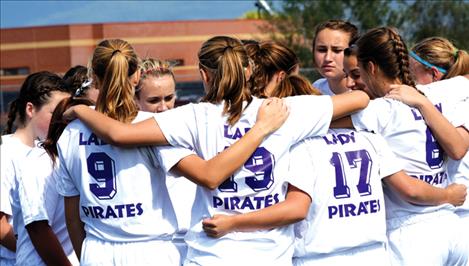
(182, 194)
(123, 194)
(344, 171)
(262, 181)
(34, 198)
(323, 86)
(454, 92)
(411, 140)
(11, 150)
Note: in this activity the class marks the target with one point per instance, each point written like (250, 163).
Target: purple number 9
(101, 168)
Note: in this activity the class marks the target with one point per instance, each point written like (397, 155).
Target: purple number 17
(342, 190)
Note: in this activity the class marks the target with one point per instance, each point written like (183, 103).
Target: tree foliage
(294, 21)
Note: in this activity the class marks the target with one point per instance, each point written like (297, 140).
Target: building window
(14, 71)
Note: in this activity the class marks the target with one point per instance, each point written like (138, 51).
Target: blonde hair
(151, 67)
(442, 53)
(225, 61)
(113, 63)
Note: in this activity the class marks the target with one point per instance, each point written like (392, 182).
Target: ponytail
(293, 85)
(460, 66)
(225, 61)
(11, 117)
(113, 63)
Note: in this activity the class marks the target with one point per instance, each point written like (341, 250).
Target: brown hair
(58, 124)
(335, 24)
(225, 61)
(151, 67)
(441, 52)
(113, 62)
(385, 47)
(271, 57)
(37, 89)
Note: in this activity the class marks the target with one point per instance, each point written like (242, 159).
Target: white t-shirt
(260, 183)
(12, 150)
(34, 198)
(323, 86)
(344, 171)
(454, 92)
(411, 140)
(123, 194)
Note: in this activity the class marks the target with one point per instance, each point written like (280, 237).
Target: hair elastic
(84, 85)
(425, 63)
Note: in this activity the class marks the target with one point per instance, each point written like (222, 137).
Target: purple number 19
(261, 164)
(342, 190)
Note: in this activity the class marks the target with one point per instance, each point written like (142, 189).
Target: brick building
(57, 48)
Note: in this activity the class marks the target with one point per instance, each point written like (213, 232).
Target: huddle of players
(363, 189)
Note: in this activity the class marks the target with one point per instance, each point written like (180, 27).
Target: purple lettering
(217, 202)
(98, 212)
(130, 208)
(139, 209)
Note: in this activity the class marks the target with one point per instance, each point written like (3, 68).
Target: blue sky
(21, 13)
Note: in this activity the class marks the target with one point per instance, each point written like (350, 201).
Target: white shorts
(372, 255)
(428, 239)
(97, 252)
(7, 262)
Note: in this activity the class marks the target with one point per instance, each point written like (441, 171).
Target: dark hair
(58, 124)
(37, 89)
(335, 24)
(225, 60)
(385, 47)
(76, 79)
(270, 58)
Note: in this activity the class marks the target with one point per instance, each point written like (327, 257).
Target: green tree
(449, 19)
(294, 21)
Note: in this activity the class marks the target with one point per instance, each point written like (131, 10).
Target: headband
(425, 63)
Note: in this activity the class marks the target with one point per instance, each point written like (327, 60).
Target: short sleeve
(310, 116)
(375, 117)
(389, 162)
(171, 155)
(32, 188)
(301, 169)
(178, 125)
(64, 182)
(6, 185)
(458, 115)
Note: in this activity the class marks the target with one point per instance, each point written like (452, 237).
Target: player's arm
(451, 140)
(293, 209)
(7, 235)
(116, 133)
(348, 103)
(46, 243)
(211, 173)
(419, 192)
(75, 227)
